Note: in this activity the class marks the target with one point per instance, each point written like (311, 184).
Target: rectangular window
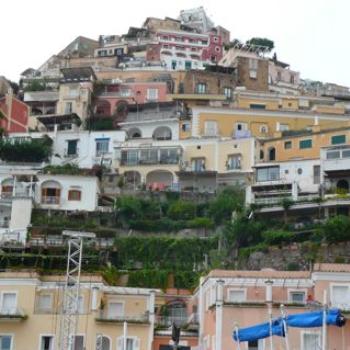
(297, 297)
(346, 153)
(74, 195)
(79, 342)
(311, 341)
(152, 94)
(236, 296)
(210, 128)
(228, 92)
(188, 65)
(305, 144)
(115, 310)
(338, 139)
(253, 63)
(317, 174)
(186, 127)
(46, 342)
(257, 106)
(256, 344)
(45, 302)
(201, 88)
(72, 147)
(68, 108)
(233, 162)
(9, 303)
(283, 127)
(241, 126)
(267, 174)
(5, 342)
(340, 297)
(102, 146)
(198, 164)
(333, 155)
(288, 145)
(81, 305)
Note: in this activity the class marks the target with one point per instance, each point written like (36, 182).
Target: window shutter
(137, 344)
(120, 343)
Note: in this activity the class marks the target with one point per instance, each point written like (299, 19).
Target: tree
(286, 203)
(336, 229)
(259, 43)
(229, 200)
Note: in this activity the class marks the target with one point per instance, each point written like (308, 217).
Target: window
(132, 343)
(268, 174)
(257, 106)
(152, 94)
(264, 129)
(338, 139)
(300, 171)
(115, 310)
(74, 195)
(283, 127)
(9, 303)
(79, 342)
(201, 88)
(305, 144)
(256, 344)
(5, 342)
(241, 126)
(198, 164)
(236, 295)
(228, 92)
(46, 342)
(210, 128)
(317, 174)
(297, 297)
(292, 79)
(272, 153)
(45, 302)
(346, 153)
(186, 127)
(333, 155)
(72, 147)
(288, 145)
(102, 146)
(103, 343)
(188, 65)
(233, 162)
(81, 306)
(340, 296)
(125, 92)
(253, 63)
(311, 341)
(68, 108)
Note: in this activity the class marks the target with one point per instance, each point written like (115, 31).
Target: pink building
(115, 96)
(239, 298)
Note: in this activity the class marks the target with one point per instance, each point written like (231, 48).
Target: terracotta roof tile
(332, 267)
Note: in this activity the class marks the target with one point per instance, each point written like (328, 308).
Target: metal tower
(69, 310)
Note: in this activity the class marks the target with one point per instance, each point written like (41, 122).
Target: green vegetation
(28, 151)
(100, 123)
(66, 169)
(258, 42)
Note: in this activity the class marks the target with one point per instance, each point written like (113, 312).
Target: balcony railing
(103, 316)
(50, 200)
(167, 321)
(153, 161)
(12, 313)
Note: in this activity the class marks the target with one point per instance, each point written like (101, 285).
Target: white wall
(88, 185)
(21, 213)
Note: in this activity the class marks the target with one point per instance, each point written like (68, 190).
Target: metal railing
(105, 316)
(50, 200)
(167, 321)
(11, 312)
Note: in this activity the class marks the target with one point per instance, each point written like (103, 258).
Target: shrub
(206, 223)
(181, 209)
(336, 229)
(277, 236)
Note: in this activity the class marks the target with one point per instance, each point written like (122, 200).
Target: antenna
(69, 310)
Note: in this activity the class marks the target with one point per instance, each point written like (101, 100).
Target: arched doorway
(272, 153)
(7, 188)
(159, 179)
(343, 186)
(162, 133)
(103, 108)
(132, 178)
(51, 192)
(134, 133)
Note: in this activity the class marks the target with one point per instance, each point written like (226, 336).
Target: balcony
(52, 200)
(103, 316)
(184, 320)
(12, 314)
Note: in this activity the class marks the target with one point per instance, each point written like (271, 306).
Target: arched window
(7, 188)
(134, 133)
(272, 153)
(50, 192)
(343, 186)
(103, 342)
(162, 133)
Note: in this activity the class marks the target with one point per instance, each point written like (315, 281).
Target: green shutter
(337, 139)
(305, 144)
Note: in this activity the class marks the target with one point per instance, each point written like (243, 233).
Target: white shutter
(137, 343)
(9, 303)
(340, 296)
(120, 343)
(115, 310)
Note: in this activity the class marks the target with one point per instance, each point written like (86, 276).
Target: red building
(14, 114)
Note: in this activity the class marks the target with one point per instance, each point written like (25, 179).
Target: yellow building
(202, 164)
(30, 313)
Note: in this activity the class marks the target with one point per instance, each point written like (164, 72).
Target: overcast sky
(312, 35)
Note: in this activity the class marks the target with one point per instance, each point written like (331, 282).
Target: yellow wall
(318, 141)
(226, 123)
(290, 104)
(245, 102)
(329, 109)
